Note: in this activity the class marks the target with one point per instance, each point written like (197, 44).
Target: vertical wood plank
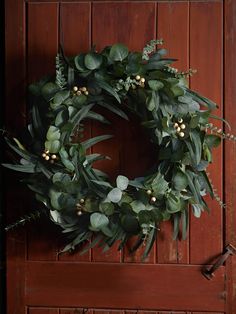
(130, 23)
(75, 27)
(134, 25)
(14, 117)
(75, 36)
(230, 148)
(42, 48)
(206, 56)
(173, 27)
(42, 39)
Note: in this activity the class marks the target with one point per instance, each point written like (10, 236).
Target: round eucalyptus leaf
(115, 195)
(53, 146)
(180, 181)
(130, 224)
(98, 220)
(92, 61)
(137, 206)
(122, 182)
(118, 52)
(53, 133)
(107, 208)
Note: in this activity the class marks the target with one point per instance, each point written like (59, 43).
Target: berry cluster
(49, 157)
(80, 90)
(79, 207)
(153, 198)
(180, 127)
(140, 80)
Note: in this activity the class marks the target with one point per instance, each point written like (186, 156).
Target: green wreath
(80, 198)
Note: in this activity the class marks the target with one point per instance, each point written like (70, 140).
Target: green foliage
(61, 171)
(118, 52)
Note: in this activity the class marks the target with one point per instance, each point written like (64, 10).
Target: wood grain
(206, 56)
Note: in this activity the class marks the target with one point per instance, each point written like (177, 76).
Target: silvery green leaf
(98, 220)
(196, 210)
(53, 146)
(115, 195)
(122, 182)
(61, 96)
(137, 206)
(53, 133)
(56, 216)
(155, 85)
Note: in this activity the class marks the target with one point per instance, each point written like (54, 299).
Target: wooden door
(201, 34)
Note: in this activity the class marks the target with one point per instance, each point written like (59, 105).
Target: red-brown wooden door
(201, 34)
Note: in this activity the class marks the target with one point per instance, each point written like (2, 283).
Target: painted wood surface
(40, 281)
(122, 286)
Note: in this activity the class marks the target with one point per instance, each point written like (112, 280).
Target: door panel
(170, 280)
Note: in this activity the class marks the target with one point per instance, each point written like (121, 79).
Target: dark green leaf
(130, 224)
(118, 52)
(115, 110)
(27, 168)
(107, 87)
(180, 181)
(93, 60)
(155, 85)
(94, 140)
(212, 140)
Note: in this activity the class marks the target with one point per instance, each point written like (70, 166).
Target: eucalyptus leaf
(98, 220)
(92, 60)
(155, 85)
(115, 195)
(122, 182)
(118, 52)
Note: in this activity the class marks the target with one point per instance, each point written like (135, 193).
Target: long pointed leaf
(108, 88)
(30, 168)
(23, 153)
(114, 109)
(149, 244)
(98, 117)
(92, 141)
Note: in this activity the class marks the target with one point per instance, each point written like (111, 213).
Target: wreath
(81, 199)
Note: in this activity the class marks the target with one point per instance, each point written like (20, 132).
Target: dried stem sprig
(35, 215)
(219, 131)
